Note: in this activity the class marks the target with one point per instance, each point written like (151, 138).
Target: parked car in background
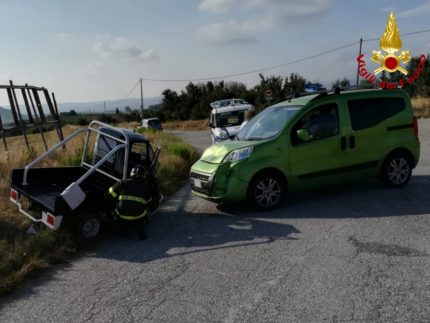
(311, 141)
(226, 118)
(151, 123)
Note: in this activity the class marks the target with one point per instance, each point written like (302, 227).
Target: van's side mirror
(303, 135)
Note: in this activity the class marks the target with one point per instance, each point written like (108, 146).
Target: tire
(89, 227)
(266, 190)
(396, 170)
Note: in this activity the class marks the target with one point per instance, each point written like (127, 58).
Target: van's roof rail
(302, 94)
(338, 90)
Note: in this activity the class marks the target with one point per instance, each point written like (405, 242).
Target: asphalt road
(349, 254)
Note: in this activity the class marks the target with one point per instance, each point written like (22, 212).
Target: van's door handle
(343, 143)
(352, 142)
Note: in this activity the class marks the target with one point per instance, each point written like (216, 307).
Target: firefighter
(131, 200)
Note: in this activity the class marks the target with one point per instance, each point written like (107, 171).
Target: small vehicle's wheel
(89, 227)
(396, 170)
(266, 191)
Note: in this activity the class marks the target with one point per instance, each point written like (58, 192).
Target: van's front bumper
(217, 182)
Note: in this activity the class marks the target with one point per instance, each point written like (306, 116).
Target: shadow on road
(182, 233)
(353, 200)
(183, 229)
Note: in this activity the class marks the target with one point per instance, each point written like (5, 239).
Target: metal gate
(32, 114)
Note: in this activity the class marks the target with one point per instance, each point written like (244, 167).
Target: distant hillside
(92, 107)
(97, 107)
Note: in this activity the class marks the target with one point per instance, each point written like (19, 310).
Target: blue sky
(88, 50)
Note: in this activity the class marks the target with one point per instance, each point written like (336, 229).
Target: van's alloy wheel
(266, 191)
(397, 171)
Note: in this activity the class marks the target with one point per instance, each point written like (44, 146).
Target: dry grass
(189, 125)
(175, 160)
(421, 107)
(22, 255)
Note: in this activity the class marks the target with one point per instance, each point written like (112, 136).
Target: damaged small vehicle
(77, 195)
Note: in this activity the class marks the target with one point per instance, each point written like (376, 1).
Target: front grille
(200, 176)
(205, 183)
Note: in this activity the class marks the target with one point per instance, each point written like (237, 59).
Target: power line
(128, 94)
(268, 68)
(253, 71)
(402, 35)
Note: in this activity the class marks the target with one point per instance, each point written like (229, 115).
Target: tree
(341, 83)
(421, 86)
(73, 113)
(117, 111)
(194, 101)
(383, 77)
(127, 109)
(295, 84)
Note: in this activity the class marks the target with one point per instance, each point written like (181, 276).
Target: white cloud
(267, 16)
(421, 9)
(122, 47)
(226, 33)
(216, 5)
(225, 5)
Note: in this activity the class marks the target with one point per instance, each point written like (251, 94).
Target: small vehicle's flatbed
(46, 185)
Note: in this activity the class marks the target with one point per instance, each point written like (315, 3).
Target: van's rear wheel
(266, 190)
(89, 227)
(396, 170)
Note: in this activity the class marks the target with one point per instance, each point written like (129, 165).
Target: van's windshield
(229, 119)
(154, 122)
(268, 123)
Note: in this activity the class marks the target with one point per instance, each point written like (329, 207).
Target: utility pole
(104, 106)
(141, 96)
(358, 64)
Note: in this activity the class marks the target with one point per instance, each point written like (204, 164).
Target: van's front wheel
(396, 170)
(266, 191)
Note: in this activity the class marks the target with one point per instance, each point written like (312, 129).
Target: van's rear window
(367, 113)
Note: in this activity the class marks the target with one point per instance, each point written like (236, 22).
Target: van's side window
(322, 122)
(366, 113)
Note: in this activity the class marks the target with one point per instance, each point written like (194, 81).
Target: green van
(311, 141)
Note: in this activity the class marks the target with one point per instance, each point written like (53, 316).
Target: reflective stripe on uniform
(112, 192)
(127, 217)
(133, 199)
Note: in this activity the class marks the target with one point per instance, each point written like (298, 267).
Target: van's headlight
(240, 154)
(223, 135)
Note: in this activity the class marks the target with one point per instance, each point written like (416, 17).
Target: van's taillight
(13, 195)
(50, 219)
(416, 127)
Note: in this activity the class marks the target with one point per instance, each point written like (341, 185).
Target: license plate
(197, 183)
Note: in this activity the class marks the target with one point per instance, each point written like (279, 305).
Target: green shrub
(181, 150)
(82, 122)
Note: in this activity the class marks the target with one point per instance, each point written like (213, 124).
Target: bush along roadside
(23, 255)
